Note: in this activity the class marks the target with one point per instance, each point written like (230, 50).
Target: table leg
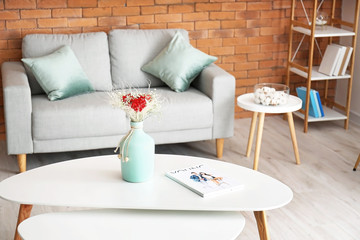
(258, 140)
(251, 133)
(357, 163)
(24, 213)
(260, 217)
(293, 136)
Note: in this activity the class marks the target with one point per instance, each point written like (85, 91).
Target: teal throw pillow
(59, 74)
(178, 64)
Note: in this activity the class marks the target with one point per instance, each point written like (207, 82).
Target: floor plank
(326, 190)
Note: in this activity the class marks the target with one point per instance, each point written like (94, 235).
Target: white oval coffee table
(133, 224)
(246, 101)
(96, 183)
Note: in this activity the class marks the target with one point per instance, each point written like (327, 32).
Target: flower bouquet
(137, 149)
(137, 105)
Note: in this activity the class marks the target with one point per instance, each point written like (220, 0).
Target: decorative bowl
(271, 94)
(321, 18)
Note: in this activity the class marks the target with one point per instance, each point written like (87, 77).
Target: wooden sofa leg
(219, 147)
(22, 162)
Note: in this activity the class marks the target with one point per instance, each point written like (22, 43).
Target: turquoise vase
(137, 154)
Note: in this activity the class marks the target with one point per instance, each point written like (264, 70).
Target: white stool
(246, 101)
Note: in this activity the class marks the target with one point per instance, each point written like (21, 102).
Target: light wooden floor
(326, 202)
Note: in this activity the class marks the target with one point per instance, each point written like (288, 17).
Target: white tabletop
(96, 183)
(246, 101)
(133, 224)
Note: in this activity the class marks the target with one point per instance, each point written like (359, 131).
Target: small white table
(96, 183)
(132, 224)
(246, 101)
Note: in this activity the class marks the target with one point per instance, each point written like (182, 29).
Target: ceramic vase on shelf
(137, 154)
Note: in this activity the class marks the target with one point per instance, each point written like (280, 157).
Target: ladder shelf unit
(335, 28)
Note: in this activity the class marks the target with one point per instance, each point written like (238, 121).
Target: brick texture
(51, 3)
(249, 37)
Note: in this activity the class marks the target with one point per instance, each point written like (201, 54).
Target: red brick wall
(249, 37)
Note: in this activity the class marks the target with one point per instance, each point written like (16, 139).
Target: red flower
(134, 103)
(148, 97)
(138, 104)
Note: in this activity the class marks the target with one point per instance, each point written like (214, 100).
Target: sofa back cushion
(131, 49)
(91, 50)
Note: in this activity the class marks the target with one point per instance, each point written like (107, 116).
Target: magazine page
(203, 180)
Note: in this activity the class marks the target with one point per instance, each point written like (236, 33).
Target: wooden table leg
(293, 136)
(24, 213)
(260, 217)
(357, 163)
(251, 134)
(258, 139)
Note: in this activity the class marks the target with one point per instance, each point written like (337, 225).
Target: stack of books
(335, 60)
(315, 108)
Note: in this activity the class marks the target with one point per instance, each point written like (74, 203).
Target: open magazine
(204, 180)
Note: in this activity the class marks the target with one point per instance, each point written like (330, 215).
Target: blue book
(320, 105)
(316, 102)
(301, 92)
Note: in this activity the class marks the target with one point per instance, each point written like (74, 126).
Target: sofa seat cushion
(181, 111)
(88, 115)
(130, 49)
(91, 50)
(91, 115)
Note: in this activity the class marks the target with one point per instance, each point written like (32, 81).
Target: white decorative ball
(270, 96)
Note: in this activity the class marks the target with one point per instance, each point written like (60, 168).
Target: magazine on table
(204, 180)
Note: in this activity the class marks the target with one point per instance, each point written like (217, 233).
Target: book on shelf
(319, 102)
(346, 61)
(340, 59)
(301, 92)
(204, 180)
(335, 60)
(329, 60)
(316, 103)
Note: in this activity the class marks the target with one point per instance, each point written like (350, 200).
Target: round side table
(246, 101)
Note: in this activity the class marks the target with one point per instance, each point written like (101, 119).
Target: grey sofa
(36, 125)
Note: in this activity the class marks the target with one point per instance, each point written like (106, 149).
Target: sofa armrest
(220, 87)
(17, 108)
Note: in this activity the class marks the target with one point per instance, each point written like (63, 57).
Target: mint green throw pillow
(178, 64)
(59, 74)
